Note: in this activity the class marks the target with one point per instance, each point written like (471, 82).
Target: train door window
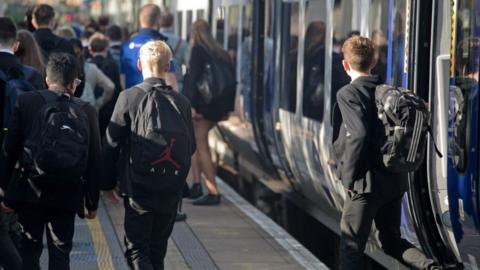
(378, 30)
(463, 122)
(220, 25)
(233, 21)
(288, 94)
(396, 51)
(180, 23)
(314, 59)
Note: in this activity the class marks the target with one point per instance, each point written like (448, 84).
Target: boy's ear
(139, 64)
(346, 66)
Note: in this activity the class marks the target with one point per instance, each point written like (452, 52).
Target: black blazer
(115, 147)
(357, 153)
(51, 43)
(21, 128)
(11, 65)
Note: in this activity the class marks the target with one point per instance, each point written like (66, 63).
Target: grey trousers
(359, 212)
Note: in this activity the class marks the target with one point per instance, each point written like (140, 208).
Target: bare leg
(202, 127)
(195, 169)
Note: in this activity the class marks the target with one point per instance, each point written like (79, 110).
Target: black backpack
(217, 83)
(58, 153)
(406, 122)
(160, 143)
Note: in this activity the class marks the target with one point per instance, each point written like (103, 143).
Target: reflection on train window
(180, 23)
(288, 97)
(269, 62)
(463, 120)
(233, 25)
(246, 58)
(219, 28)
(342, 29)
(395, 71)
(378, 30)
(189, 20)
(314, 59)
(200, 14)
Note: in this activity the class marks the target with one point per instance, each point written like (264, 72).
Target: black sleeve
(94, 171)
(12, 145)
(198, 57)
(115, 138)
(38, 81)
(355, 123)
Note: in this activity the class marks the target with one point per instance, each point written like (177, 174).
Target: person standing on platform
(204, 50)
(43, 19)
(149, 18)
(373, 194)
(177, 44)
(154, 161)
(58, 173)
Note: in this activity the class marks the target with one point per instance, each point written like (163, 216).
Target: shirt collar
(9, 51)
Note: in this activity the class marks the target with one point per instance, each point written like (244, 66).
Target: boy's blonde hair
(155, 55)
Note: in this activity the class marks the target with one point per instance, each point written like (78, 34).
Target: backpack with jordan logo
(58, 154)
(406, 124)
(159, 158)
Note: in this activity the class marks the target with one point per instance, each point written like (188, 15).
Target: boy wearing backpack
(152, 128)
(373, 193)
(52, 150)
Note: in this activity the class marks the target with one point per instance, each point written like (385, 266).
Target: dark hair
(98, 42)
(43, 14)
(103, 20)
(166, 20)
(62, 68)
(8, 31)
(149, 15)
(359, 52)
(87, 33)
(114, 33)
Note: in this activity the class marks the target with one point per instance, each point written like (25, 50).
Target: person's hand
(91, 214)
(5, 208)
(112, 196)
(195, 115)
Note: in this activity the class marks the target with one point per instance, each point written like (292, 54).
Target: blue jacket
(130, 52)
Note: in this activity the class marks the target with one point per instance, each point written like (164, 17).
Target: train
(287, 56)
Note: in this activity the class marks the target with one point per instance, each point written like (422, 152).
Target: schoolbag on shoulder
(160, 142)
(217, 83)
(406, 123)
(58, 154)
(14, 85)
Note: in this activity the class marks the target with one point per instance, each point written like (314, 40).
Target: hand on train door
(91, 214)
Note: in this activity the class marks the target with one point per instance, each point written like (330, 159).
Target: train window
(180, 23)
(246, 58)
(220, 25)
(463, 122)
(378, 30)
(189, 21)
(233, 26)
(395, 70)
(200, 14)
(288, 95)
(314, 59)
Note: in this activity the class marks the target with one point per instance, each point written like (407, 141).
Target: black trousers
(359, 212)
(9, 257)
(146, 235)
(59, 225)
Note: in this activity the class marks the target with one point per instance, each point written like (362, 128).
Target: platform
(233, 235)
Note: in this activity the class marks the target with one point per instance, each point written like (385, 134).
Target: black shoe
(196, 191)
(180, 217)
(208, 199)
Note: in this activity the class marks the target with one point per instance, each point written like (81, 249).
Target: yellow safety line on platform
(104, 258)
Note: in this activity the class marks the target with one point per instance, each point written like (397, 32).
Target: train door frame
(184, 6)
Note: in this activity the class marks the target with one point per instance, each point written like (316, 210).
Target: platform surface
(233, 235)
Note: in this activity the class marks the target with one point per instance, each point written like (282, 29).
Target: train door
(455, 190)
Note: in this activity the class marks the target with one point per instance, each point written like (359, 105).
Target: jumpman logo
(166, 155)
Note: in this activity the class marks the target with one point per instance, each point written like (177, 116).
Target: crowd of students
(69, 130)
